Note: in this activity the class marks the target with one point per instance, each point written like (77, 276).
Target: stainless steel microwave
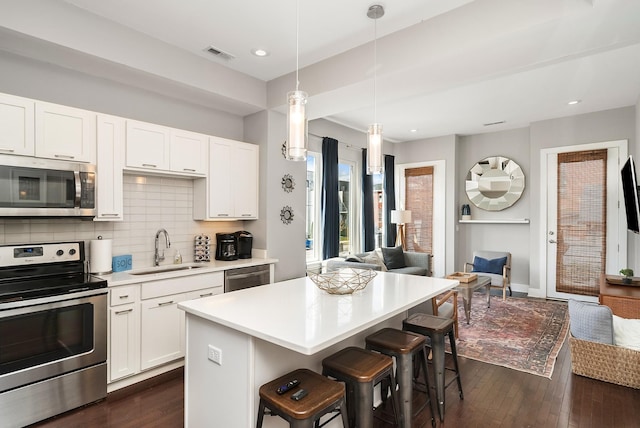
(33, 187)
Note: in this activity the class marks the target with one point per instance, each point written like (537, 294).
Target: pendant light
(296, 114)
(374, 132)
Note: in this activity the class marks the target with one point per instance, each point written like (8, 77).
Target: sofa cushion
(489, 266)
(353, 258)
(410, 270)
(373, 258)
(393, 257)
(626, 332)
(591, 321)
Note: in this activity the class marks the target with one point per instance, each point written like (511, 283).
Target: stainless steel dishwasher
(237, 279)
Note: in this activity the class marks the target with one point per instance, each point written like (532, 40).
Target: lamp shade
(374, 149)
(400, 216)
(297, 126)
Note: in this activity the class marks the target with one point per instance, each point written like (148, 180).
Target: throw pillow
(373, 258)
(353, 258)
(393, 257)
(626, 332)
(489, 266)
(590, 321)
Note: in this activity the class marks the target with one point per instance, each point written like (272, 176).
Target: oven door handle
(78, 187)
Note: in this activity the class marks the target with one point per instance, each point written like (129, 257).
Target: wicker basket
(604, 362)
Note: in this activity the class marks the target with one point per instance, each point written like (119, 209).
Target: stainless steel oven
(53, 332)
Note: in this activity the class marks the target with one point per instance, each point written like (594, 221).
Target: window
(378, 210)
(313, 206)
(418, 184)
(347, 192)
(346, 195)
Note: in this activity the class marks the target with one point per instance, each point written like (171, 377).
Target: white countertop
(297, 315)
(130, 277)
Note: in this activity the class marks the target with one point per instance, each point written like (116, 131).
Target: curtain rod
(349, 146)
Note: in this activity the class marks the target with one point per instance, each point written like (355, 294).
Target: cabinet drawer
(205, 292)
(123, 295)
(182, 284)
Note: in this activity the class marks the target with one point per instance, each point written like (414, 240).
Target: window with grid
(582, 211)
(419, 200)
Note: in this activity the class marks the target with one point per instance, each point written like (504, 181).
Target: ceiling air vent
(219, 53)
(493, 123)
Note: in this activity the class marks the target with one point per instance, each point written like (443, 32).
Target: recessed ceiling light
(259, 52)
(574, 102)
(414, 130)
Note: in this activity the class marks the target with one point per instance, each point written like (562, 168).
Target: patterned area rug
(519, 333)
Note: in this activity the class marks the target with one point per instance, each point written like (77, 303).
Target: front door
(583, 235)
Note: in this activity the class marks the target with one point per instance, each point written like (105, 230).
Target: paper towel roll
(100, 256)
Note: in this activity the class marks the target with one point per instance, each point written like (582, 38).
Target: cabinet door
(161, 330)
(124, 342)
(65, 133)
(110, 162)
(147, 146)
(246, 183)
(222, 178)
(189, 152)
(16, 125)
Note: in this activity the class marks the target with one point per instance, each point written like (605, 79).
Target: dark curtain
(389, 198)
(330, 203)
(369, 232)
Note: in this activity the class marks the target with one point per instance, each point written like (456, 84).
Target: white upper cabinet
(189, 152)
(16, 125)
(110, 164)
(65, 133)
(231, 189)
(246, 161)
(163, 149)
(147, 146)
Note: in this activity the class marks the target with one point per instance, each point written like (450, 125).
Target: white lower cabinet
(161, 330)
(124, 331)
(146, 328)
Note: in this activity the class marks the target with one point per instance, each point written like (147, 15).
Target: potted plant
(627, 274)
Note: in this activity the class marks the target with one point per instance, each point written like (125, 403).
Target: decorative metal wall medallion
(288, 183)
(286, 214)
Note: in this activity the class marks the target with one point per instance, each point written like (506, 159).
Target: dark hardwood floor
(493, 397)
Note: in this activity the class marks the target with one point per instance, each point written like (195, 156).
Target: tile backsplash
(150, 203)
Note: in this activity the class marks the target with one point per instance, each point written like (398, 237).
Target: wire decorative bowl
(343, 281)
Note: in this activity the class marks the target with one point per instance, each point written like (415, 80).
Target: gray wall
(38, 80)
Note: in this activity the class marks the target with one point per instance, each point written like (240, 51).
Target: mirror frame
(484, 171)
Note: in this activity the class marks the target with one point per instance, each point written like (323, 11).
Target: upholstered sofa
(599, 344)
(405, 262)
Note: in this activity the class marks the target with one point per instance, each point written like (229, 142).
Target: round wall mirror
(495, 183)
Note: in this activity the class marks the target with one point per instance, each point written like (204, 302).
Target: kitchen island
(238, 341)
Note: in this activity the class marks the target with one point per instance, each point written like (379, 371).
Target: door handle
(552, 241)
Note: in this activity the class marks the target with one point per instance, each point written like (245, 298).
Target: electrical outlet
(215, 355)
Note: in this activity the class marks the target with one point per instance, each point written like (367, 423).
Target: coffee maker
(226, 246)
(245, 244)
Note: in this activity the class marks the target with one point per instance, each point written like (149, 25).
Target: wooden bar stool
(361, 370)
(404, 346)
(323, 396)
(436, 328)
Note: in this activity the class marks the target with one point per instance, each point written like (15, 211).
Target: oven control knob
(59, 253)
(72, 251)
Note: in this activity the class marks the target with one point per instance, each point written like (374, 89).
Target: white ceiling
(444, 67)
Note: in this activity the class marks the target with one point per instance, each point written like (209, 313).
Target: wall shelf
(498, 221)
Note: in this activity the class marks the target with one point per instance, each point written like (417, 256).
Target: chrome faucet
(160, 257)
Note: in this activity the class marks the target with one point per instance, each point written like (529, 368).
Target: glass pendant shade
(297, 133)
(374, 149)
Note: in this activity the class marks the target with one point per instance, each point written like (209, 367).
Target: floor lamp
(400, 217)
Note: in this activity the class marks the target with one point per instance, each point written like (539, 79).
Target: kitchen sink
(163, 269)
